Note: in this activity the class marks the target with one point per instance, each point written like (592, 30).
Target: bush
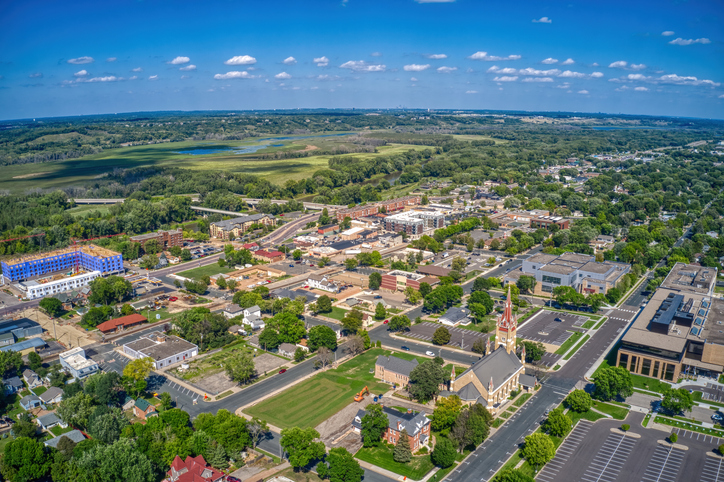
(625, 427)
(673, 438)
(444, 453)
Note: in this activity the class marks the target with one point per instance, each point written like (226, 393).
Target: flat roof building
(77, 364)
(163, 349)
(414, 222)
(90, 258)
(579, 271)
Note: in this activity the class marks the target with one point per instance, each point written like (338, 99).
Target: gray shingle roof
(469, 392)
(500, 365)
(75, 435)
(526, 380)
(455, 314)
(50, 394)
(49, 419)
(413, 422)
(229, 224)
(396, 365)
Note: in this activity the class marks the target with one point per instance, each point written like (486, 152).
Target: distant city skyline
(83, 58)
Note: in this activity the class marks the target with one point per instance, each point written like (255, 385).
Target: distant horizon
(633, 57)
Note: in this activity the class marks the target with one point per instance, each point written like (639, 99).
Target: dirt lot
(220, 382)
(266, 363)
(68, 333)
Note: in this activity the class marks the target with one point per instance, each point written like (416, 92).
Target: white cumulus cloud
(282, 75)
(153, 77)
(491, 58)
(545, 73)
(289, 61)
(376, 54)
(471, 92)
(111, 59)
(362, 66)
(597, 75)
(619, 64)
(686, 80)
(137, 69)
(109, 78)
(36, 75)
(188, 68)
(81, 73)
(667, 33)
(446, 70)
(572, 75)
(506, 78)
(636, 77)
(81, 60)
(416, 67)
(638, 66)
(641, 89)
(321, 61)
(180, 61)
(436, 56)
(549, 60)
(543, 20)
(241, 60)
(721, 96)
(497, 70)
(583, 92)
(234, 75)
(413, 79)
(681, 41)
(537, 79)
(569, 61)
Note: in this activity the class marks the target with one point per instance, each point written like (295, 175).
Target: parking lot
(425, 330)
(544, 328)
(598, 452)
(295, 269)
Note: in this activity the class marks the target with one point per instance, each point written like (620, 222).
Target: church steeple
(507, 327)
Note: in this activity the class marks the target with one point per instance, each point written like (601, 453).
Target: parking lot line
(712, 471)
(609, 460)
(549, 473)
(664, 465)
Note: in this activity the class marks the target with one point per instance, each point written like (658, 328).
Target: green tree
(673, 438)
(218, 457)
(290, 328)
(446, 412)
(269, 338)
(25, 459)
(138, 369)
(481, 284)
(399, 323)
(342, 467)
(322, 336)
(108, 427)
(221, 283)
(425, 289)
(76, 410)
(380, 312)
(534, 351)
(526, 283)
(613, 382)
(258, 429)
(175, 250)
(625, 427)
(149, 261)
(374, 424)
(323, 261)
(166, 401)
(324, 304)
(52, 306)
(186, 255)
(425, 381)
(441, 336)
(301, 447)
(538, 449)
(297, 254)
(579, 401)
(350, 263)
(513, 475)
(119, 462)
(231, 284)
(444, 453)
(413, 296)
(402, 452)
(677, 401)
(240, 367)
(34, 361)
(299, 355)
(375, 280)
(9, 361)
(459, 264)
(478, 346)
(557, 423)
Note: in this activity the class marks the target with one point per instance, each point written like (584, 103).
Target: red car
(282, 370)
(173, 298)
(385, 322)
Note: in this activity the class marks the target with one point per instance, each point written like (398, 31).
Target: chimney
(409, 410)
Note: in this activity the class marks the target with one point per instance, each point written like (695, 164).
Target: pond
(264, 143)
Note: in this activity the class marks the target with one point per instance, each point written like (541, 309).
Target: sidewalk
(268, 473)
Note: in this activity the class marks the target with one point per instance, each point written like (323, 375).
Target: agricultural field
(309, 403)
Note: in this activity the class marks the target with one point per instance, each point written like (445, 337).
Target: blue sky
(632, 57)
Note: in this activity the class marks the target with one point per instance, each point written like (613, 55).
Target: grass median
(578, 346)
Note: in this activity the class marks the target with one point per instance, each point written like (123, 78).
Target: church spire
(522, 355)
(505, 329)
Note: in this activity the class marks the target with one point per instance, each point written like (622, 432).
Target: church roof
(469, 392)
(499, 365)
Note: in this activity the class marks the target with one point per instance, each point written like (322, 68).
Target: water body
(265, 142)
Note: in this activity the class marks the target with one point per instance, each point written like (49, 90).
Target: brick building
(393, 370)
(547, 221)
(398, 280)
(270, 256)
(166, 239)
(237, 226)
(357, 212)
(417, 426)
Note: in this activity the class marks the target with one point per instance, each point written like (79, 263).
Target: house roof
(455, 314)
(396, 365)
(49, 419)
(50, 394)
(29, 398)
(75, 435)
(433, 270)
(122, 321)
(287, 348)
(253, 309)
(526, 380)
(469, 392)
(500, 365)
(142, 404)
(233, 308)
(194, 469)
(14, 382)
(413, 422)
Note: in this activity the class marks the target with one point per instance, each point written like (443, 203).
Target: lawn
(600, 323)
(589, 324)
(4, 442)
(211, 364)
(580, 344)
(58, 430)
(382, 457)
(589, 415)
(521, 400)
(688, 426)
(40, 390)
(619, 413)
(337, 313)
(569, 343)
(210, 270)
(697, 396)
(650, 384)
(316, 399)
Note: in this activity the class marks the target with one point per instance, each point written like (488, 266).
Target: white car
(429, 353)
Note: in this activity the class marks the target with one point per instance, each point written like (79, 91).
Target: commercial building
(579, 271)
(414, 222)
(90, 258)
(22, 328)
(34, 289)
(270, 256)
(357, 212)
(398, 280)
(166, 239)
(399, 203)
(76, 363)
(680, 331)
(237, 226)
(321, 282)
(120, 324)
(163, 349)
(546, 222)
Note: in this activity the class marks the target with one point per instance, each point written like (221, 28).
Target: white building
(321, 282)
(76, 363)
(34, 290)
(163, 349)
(252, 316)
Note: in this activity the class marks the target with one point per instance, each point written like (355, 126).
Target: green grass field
(619, 413)
(309, 403)
(382, 457)
(210, 270)
(337, 313)
(569, 343)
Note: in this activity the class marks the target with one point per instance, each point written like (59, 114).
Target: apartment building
(237, 226)
(166, 239)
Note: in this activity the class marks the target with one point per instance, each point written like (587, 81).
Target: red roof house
(121, 323)
(271, 256)
(193, 469)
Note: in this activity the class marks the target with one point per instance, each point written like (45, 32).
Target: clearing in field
(311, 402)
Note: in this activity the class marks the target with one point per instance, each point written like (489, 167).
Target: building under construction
(89, 257)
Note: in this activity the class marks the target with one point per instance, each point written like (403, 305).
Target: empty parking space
(549, 359)
(607, 464)
(551, 327)
(458, 336)
(549, 473)
(685, 435)
(713, 470)
(664, 466)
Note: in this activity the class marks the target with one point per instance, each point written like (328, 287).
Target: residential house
(13, 384)
(236, 329)
(193, 469)
(29, 402)
(287, 350)
(394, 370)
(323, 283)
(52, 395)
(280, 293)
(252, 316)
(74, 435)
(417, 426)
(233, 310)
(143, 409)
(128, 403)
(50, 420)
(122, 323)
(31, 378)
(455, 316)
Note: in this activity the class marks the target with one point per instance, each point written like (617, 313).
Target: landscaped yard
(309, 403)
(209, 270)
(650, 384)
(337, 313)
(211, 364)
(40, 390)
(619, 413)
(382, 457)
(58, 430)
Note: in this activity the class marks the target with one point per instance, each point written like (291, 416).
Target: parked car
(405, 348)
(282, 370)
(558, 319)
(385, 322)
(717, 417)
(429, 353)
(377, 297)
